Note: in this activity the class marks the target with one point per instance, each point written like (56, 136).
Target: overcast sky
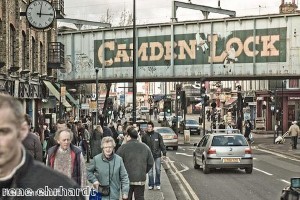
(155, 11)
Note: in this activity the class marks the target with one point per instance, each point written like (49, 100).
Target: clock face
(40, 14)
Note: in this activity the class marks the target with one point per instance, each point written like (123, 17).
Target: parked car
(161, 116)
(169, 137)
(190, 124)
(292, 191)
(223, 149)
(173, 120)
(144, 110)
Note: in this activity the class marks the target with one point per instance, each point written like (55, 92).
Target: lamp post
(282, 85)
(97, 92)
(134, 67)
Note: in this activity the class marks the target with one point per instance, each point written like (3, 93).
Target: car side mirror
(195, 144)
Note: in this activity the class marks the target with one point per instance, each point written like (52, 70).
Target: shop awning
(56, 93)
(70, 97)
(231, 101)
(158, 97)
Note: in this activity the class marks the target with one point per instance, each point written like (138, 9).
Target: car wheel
(206, 170)
(196, 166)
(175, 148)
(249, 170)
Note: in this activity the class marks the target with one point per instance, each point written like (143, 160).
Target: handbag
(104, 190)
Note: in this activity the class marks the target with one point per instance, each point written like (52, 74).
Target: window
(23, 50)
(12, 45)
(33, 49)
(294, 83)
(41, 60)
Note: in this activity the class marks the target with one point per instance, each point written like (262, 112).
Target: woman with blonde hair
(107, 172)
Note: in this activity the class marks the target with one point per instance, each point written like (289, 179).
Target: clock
(40, 14)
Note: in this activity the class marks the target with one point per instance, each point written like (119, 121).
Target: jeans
(138, 191)
(156, 182)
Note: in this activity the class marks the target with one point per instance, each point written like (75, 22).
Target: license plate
(167, 137)
(231, 160)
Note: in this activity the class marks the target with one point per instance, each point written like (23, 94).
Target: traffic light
(203, 89)
(206, 99)
(167, 105)
(183, 100)
(109, 104)
(178, 91)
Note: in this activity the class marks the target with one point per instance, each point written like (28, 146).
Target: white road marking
(285, 181)
(185, 168)
(262, 171)
(194, 196)
(278, 154)
(184, 154)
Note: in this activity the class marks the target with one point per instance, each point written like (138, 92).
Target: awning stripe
(56, 93)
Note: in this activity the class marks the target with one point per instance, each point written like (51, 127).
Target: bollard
(187, 136)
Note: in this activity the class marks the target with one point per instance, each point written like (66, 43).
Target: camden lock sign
(267, 45)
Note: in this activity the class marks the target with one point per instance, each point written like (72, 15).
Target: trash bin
(187, 136)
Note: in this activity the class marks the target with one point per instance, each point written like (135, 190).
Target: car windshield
(229, 140)
(164, 130)
(191, 122)
(162, 114)
(144, 108)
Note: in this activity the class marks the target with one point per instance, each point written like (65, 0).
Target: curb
(261, 146)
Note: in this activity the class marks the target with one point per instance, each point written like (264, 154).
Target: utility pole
(134, 68)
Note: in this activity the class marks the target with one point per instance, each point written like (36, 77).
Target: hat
(294, 122)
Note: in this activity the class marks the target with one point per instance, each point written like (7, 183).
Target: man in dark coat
(18, 170)
(155, 142)
(32, 142)
(138, 161)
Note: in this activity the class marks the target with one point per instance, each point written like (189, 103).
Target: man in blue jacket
(156, 144)
(138, 161)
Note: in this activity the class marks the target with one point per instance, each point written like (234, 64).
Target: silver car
(169, 137)
(223, 149)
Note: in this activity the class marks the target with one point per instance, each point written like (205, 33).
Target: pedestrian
(120, 136)
(138, 161)
(32, 142)
(60, 124)
(67, 158)
(107, 172)
(18, 168)
(95, 141)
(156, 144)
(248, 129)
(294, 132)
(222, 125)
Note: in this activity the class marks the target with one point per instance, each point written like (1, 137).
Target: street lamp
(282, 85)
(134, 67)
(97, 92)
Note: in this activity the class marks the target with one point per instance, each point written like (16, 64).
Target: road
(272, 172)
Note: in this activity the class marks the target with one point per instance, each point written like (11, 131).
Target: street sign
(85, 106)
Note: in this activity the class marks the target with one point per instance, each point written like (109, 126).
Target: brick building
(24, 59)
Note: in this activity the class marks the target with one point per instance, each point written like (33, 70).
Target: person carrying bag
(107, 173)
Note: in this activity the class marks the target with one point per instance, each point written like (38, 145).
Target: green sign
(266, 45)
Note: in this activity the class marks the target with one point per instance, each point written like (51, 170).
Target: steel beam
(205, 9)
(80, 23)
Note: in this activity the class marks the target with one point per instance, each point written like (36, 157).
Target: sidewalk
(285, 148)
(165, 193)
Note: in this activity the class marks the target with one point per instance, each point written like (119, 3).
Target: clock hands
(40, 13)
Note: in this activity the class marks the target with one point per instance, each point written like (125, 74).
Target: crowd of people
(121, 155)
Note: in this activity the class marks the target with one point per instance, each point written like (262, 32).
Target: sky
(159, 11)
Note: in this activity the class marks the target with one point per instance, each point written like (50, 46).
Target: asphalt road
(272, 172)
